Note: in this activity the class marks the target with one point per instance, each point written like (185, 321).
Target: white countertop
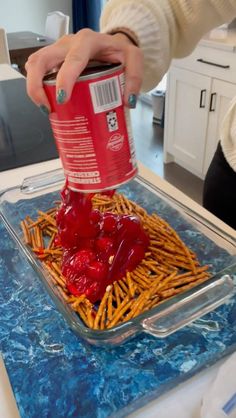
(183, 401)
(218, 38)
(8, 73)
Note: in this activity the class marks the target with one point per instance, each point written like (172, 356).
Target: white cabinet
(221, 96)
(188, 117)
(196, 102)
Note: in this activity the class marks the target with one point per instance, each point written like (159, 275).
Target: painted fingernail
(44, 109)
(61, 95)
(132, 101)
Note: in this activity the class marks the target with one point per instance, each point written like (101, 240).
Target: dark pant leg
(219, 193)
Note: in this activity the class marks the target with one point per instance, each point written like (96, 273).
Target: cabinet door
(187, 118)
(221, 95)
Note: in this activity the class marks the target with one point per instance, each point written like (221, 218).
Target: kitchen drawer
(211, 62)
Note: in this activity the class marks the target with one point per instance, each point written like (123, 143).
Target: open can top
(93, 69)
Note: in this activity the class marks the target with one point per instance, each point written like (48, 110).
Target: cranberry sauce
(98, 248)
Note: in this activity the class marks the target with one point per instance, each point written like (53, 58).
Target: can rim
(97, 74)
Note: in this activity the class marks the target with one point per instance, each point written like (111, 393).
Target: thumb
(133, 75)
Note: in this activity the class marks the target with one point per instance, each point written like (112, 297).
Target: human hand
(74, 52)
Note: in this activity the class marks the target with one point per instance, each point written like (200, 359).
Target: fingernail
(132, 101)
(61, 95)
(44, 109)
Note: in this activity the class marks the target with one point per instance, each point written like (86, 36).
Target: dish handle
(42, 181)
(187, 309)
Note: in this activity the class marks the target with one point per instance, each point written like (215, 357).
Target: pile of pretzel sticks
(169, 266)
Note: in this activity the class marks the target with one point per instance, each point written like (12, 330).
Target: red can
(92, 130)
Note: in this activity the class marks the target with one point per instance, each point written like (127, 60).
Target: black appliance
(25, 133)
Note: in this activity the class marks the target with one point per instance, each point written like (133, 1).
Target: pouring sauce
(98, 248)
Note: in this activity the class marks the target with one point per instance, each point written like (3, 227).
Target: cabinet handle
(213, 63)
(212, 109)
(202, 96)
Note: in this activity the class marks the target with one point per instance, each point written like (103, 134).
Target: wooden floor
(149, 150)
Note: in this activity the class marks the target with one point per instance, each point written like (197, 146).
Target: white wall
(30, 15)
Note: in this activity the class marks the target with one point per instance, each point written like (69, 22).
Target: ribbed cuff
(127, 32)
(228, 135)
(151, 32)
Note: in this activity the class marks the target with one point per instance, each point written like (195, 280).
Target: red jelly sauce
(98, 248)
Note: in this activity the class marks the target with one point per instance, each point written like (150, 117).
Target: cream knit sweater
(169, 29)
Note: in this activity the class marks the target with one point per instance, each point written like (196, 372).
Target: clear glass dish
(212, 245)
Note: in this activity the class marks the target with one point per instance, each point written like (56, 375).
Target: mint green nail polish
(61, 95)
(132, 100)
(44, 109)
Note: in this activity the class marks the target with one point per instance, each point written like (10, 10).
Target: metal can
(92, 130)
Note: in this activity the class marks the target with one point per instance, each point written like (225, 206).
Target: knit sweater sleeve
(165, 29)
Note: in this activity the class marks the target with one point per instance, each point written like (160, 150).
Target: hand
(74, 52)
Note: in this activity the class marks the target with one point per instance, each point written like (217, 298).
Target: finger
(37, 66)
(34, 86)
(133, 75)
(84, 47)
(75, 62)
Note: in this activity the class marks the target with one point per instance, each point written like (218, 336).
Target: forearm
(165, 29)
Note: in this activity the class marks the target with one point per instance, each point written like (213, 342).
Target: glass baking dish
(211, 244)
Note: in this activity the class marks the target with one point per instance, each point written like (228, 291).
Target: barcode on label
(105, 94)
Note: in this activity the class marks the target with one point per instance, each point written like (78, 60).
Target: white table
(183, 401)
(8, 73)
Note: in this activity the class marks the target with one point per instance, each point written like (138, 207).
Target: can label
(92, 132)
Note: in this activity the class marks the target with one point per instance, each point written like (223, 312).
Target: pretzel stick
(63, 293)
(122, 293)
(33, 241)
(55, 276)
(57, 269)
(78, 300)
(50, 243)
(139, 301)
(90, 316)
(52, 229)
(123, 286)
(117, 293)
(103, 319)
(124, 306)
(162, 285)
(152, 302)
(143, 272)
(109, 306)
(49, 218)
(101, 306)
(82, 313)
(171, 292)
(139, 282)
(130, 284)
(29, 221)
(128, 204)
(183, 281)
(27, 235)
